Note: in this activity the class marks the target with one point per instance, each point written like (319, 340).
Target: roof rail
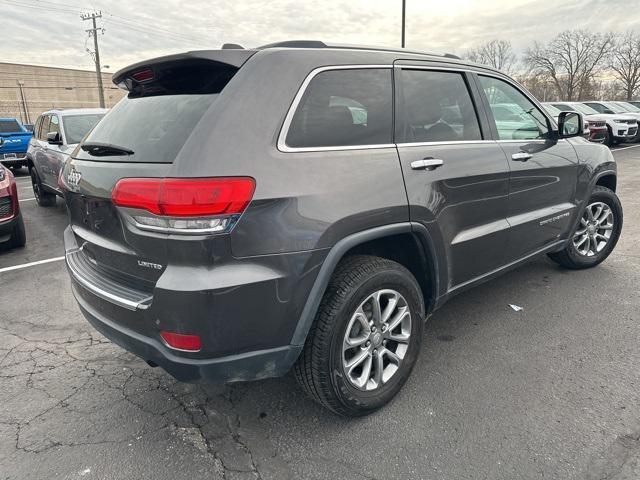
(295, 44)
(232, 46)
(320, 44)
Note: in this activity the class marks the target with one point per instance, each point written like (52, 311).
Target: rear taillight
(185, 205)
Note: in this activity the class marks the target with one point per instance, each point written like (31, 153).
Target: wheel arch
(414, 240)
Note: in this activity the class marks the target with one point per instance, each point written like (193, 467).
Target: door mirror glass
(54, 138)
(570, 124)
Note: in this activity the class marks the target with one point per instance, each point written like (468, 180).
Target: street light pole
(404, 10)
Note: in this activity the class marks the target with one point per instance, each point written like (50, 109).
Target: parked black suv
(242, 213)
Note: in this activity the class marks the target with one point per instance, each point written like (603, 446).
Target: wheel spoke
(378, 368)
(358, 318)
(389, 309)
(363, 378)
(391, 356)
(356, 360)
(399, 337)
(375, 306)
(398, 318)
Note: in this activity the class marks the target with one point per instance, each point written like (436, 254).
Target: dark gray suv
(242, 213)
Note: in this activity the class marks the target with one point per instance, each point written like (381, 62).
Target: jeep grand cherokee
(241, 213)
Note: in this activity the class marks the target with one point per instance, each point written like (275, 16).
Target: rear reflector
(180, 341)
(185, 197)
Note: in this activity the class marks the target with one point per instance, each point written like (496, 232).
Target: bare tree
(625, 62)
(496, 53)
(571, 60)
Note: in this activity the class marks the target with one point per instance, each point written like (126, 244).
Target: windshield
(552, 110)
(77, 126)
(613, 107)
(155, 128)
(584, 109)
(628, 107)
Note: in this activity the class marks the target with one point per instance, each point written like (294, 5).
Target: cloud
(52, 33)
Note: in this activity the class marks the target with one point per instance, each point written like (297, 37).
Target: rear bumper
(245, 311)
(232, 368)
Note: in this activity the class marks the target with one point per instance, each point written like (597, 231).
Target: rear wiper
(98, 149)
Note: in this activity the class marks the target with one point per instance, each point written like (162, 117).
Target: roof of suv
(235, 55)
(76, 111)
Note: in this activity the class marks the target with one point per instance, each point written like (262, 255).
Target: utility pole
(24, 102)
(94, 32)
(404, 11)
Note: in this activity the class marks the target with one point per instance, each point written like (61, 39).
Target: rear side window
(344, 108)
(9, 126)
(437, 107)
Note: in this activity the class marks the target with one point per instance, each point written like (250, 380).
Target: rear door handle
(426, 164)
(521, 156)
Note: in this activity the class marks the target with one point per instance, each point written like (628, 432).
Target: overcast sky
(51, 32)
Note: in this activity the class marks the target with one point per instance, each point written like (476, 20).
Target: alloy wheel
(595, 229)
(376, 340)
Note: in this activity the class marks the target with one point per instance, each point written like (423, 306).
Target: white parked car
(620, 127)
(595, 127)
(610, 108)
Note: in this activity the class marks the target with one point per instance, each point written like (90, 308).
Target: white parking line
(30, 264)
(624, 148)
(26, 199)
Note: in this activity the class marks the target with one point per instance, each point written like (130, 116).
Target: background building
(28, 90)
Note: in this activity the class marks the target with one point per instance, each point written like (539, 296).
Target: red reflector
(185, 197)
(143, 75)
(181, 341)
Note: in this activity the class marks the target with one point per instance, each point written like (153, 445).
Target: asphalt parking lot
(552, 391)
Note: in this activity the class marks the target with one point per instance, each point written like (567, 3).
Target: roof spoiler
(230, 57)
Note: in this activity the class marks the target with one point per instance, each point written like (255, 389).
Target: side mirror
(570, 124)
(54, 138)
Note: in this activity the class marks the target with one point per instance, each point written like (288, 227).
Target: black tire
(570, 257)
(44, 199)
(18, 235)
(610, 141)
(319, 369)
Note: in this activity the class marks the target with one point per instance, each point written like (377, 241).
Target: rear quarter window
(344, 108)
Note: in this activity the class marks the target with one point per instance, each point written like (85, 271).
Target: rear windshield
(9, 126)
(77, 126)
(155, 128)
(158, 115)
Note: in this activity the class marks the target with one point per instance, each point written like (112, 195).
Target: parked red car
(11, 223)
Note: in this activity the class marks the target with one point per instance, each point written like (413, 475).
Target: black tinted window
(77, 126)
(155, 128)
(9, 126)
(437, 108)
(344, 108)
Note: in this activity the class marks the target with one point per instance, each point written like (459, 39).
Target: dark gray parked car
(242, 213)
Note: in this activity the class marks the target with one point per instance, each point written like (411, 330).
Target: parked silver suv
(56, 133)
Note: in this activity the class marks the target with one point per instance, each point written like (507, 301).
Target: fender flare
(337, 252)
